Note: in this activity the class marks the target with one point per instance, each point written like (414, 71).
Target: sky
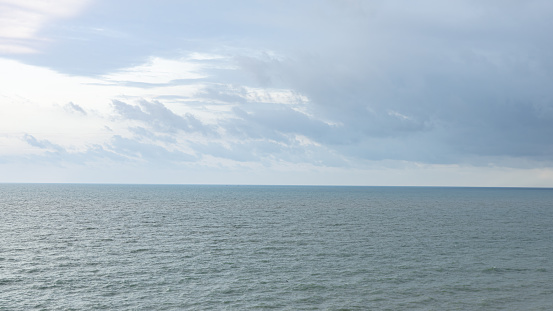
(311, 92)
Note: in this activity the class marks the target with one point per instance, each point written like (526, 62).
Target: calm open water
(145, 247)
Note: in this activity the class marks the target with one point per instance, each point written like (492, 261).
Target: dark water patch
(139, 250)
(500, 270)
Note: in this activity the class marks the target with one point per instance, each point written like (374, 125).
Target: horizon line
(267, 185)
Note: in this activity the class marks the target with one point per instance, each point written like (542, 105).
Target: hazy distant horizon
(269, 185)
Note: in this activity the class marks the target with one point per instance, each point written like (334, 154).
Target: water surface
(146, 247)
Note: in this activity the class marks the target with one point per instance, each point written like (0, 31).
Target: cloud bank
(382, 91)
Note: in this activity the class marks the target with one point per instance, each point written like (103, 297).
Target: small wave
(504, 270)
(139, 250)
(7, 281)
(309, 287)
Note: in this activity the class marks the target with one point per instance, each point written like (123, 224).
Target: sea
(226, 247)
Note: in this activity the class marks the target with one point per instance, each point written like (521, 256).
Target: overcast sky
(338, 92)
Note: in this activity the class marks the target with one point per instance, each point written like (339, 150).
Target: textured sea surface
(145, 247)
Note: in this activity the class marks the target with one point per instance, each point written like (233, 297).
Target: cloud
(275, 122)
(42, 144)
(50, 153)
(426, 83)
(158, 71)
(151, 153)
(22, 20)
(158, 116)
(149, 135)
(72, 107)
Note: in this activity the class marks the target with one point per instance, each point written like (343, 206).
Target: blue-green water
(138, 247)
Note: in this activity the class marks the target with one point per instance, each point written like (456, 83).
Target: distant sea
(176, 247)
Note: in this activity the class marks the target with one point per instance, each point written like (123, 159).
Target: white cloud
(398, 115)
(22, 20)
(75, 112)
(157, 71)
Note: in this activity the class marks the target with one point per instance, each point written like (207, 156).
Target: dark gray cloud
(428, 83)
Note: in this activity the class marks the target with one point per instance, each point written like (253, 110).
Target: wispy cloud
(158, 71)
